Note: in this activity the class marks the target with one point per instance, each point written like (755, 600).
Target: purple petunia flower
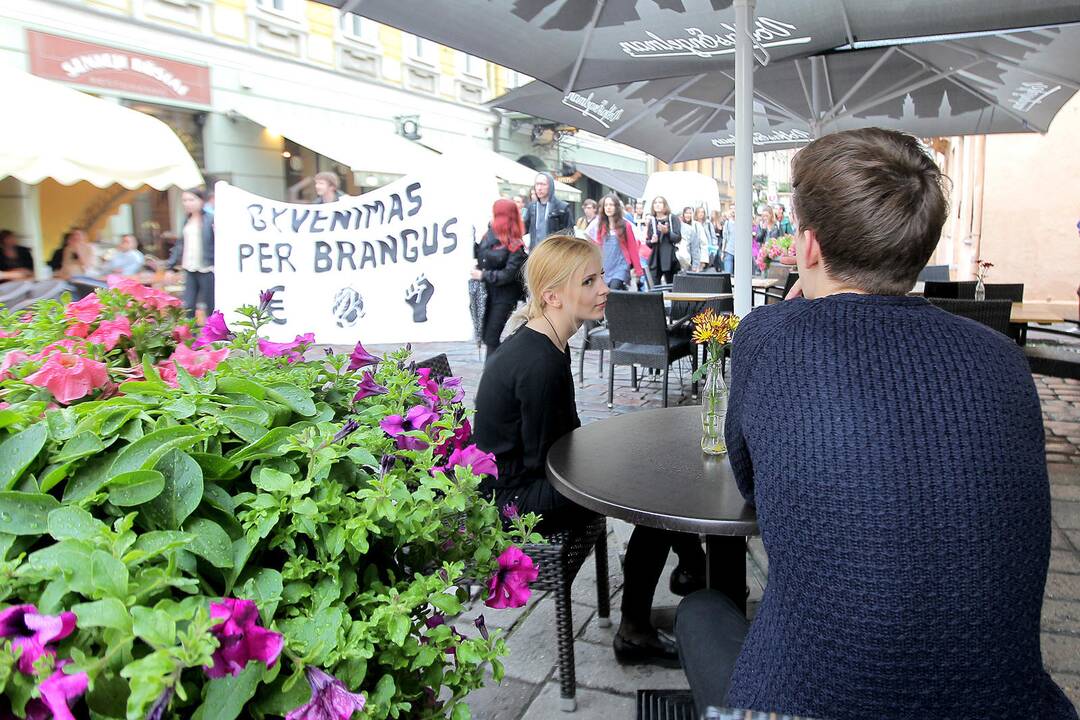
(264, 299)
(429, 389)
(509, 586)
(481, 625)
(31, 633)
(161, 705)
(361, 358)
(213, 330)
(510, 511)
(368, 388)
(346, 430)
(420, 416)
(293, 351)
(241, 638)
(330, 699)
(454, 383)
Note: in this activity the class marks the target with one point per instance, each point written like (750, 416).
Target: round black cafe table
(647, 468)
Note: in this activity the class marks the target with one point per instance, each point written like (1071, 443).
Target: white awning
(69, 136)
(490, 162)
(363, 145)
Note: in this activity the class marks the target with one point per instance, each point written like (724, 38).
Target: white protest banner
(391, 266)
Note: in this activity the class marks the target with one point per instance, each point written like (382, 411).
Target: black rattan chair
(777, 293)
(594, 337)
(992, 313)
(1014, 292)
(559, 561)
(439, 366)
(702, 283)
(639, 336)
(959, 290)
(934, 273)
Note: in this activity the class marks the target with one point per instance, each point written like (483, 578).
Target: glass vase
(714, 397)
(980, 289)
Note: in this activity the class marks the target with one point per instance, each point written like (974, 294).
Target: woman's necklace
(558, 338)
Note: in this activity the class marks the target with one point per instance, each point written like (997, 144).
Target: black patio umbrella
(1001, 83)
(574, 44)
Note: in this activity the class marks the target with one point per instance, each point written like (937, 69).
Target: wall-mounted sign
(109, 68)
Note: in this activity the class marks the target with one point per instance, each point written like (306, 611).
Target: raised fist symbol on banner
(348, 307)
(418, 295)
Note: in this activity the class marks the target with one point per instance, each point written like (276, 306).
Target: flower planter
(219, 528)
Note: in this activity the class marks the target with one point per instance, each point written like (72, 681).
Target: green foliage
(138, 506)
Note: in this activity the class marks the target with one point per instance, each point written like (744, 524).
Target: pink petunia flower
(361, 358)
(70, 377)
(86, 310)
(109, 332)
(58, 693)
(198, 362)
(181, 333)
(11, 359)
(368, 387)
(292, 351)
(241, 638)
(32, 632)
(6, 334)
(213, 330)
(428, 387)
(330, 699)
(56, 347)
(78, 330)
(167, 371)
(472, 457)
(418, 418)
(509, 586)
(145, 294)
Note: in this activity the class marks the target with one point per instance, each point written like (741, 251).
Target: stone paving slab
(606, 691)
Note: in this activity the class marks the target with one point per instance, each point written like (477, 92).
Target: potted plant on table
(215, 527)
(714, 332)
(779, 249)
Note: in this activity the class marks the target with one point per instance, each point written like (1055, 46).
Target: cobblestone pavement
(606, 691)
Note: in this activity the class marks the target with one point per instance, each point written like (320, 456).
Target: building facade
(225, 74)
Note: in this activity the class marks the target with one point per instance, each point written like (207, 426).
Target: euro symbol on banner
(277, 305)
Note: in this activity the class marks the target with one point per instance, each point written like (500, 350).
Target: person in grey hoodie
(547, 215)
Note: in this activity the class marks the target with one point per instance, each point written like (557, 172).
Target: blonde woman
(526, 402)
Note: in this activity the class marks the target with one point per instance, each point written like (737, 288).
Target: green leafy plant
(202, 524)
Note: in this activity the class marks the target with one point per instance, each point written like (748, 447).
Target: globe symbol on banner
(348, 307)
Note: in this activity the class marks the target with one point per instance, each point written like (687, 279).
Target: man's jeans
(729, 263)
(710, 630)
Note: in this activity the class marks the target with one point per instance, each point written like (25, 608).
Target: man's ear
(808, 249)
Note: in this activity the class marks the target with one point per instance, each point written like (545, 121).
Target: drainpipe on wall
(977, 177)
(496, 130)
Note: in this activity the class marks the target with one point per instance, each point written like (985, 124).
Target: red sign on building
(104, 67)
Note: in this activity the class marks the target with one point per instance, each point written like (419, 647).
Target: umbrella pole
(744, 153)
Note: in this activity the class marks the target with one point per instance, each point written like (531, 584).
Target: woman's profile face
(192, 203)
(585, 296)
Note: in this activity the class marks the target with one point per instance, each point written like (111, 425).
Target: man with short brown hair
(900, 482)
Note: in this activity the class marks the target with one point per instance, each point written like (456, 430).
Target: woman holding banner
(499, 259)
(194, 253)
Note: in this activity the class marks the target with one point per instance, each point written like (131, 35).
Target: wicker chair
(992, 313)
(960, 290)
(558, 561)
(439, 366)
(702, 283)
(639, 336)
(595, 336)
(1014, 292)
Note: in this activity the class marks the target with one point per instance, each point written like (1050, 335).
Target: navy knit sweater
(895, 453)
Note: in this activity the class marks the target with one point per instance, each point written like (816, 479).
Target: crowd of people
(633, 242)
